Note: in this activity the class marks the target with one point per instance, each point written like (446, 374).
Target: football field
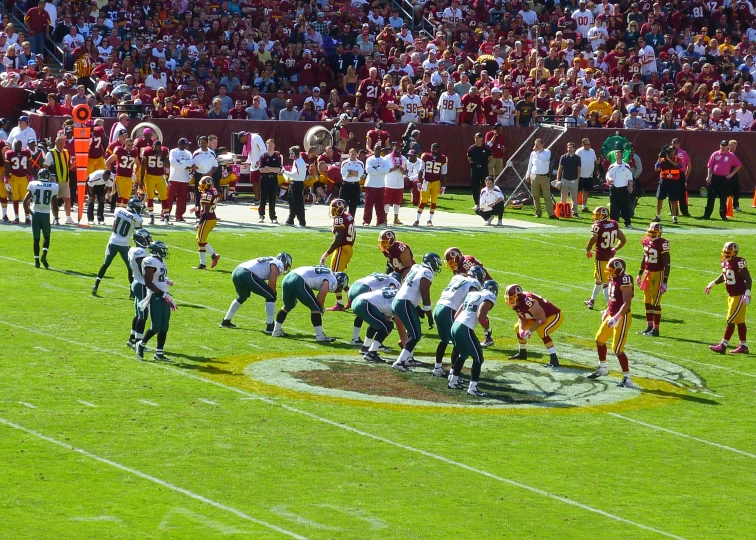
(248, 435)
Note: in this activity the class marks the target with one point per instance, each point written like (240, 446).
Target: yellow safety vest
(61, 158)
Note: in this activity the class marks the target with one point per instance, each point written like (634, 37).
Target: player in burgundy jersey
(342, 247)
(155, 163)
(616, 321)
(434, 176)
(398, 254)
(17, 162)
(126, 159)
(653, 276)
(461, 264)
(738, 283)
(607, 238)
(534, 314)
(207, 221)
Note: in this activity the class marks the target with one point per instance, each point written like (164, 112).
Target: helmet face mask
(142, 238)
(159, 249)
(337, 207)
(654, 230)
(386, 239)
(43, 175)
(205, 183)
(135, 206)
(433, 262)
(286, 259)
(493, 287)
(513, 295)
(454, 258)
(477, 273)
(729, 251)
(616, 266)
(601, 213)
(342, 281)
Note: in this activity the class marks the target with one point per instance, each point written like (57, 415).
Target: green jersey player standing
(137, 254)
(159, 301)
(125, 221)
(41, 194)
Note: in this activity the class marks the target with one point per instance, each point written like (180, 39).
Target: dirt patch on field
(375, 381)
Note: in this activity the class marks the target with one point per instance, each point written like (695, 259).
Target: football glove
(431, 322)
(525, 334)
(747, 297)
(612, 322)
(707, 290)
(589, 254)
(663, 287)
(639, 280)
(171, 303)
(169, 282)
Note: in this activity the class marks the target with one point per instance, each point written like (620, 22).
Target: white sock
(453, 379)
(270, 312)
(743, 344)
(368, 342)
(596, 291)
(473, 385)
(602, 363)
(5, 211)
(551, 350)
(235, 305)
(138, 336)
(203, 257)
(318, 331)
(374, 346)
(210, 249)
(438, 365)
(396, 211)
(523, 346)
(430, 217)
(724, 342)
(606, 294)
(403, 356)
(340, 300)
(277, 326)
(386, 208)
(356, 332)
(419, 215)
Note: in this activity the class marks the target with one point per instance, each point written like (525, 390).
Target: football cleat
(626, 382)
(226, 324)
(94, 290)
(160, 357)
(373, 357)
(740, 349)
(140, 350)
(215, 259)
(413, 363)
(199, 267)
(44, 262)
(553, 361)
(278, 333)
(337, 307)
(131, 343)
(322, 338)
(397, 221)
(269, 328)
(6, 220)
(522, 354)
(27, 221)
(589, 303)
(602, 371)
(152, 220)
(416, 223)
(429, 224)
(131, 295)
(718, 348)
(488, 342)
(647, 331)
(364, 350)
(16, 221)
(400, 366)
(439, 372)
(383, 348)
(36, 263)
(475, 392)
(452, 385)
(356, 342)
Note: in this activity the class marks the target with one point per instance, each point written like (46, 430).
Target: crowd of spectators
(679, 64)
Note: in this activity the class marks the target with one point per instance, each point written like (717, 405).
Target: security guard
(619, 177)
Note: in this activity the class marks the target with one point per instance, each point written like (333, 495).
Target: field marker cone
(729, 212)
(754, 200)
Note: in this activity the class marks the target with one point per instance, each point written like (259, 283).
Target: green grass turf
(324, 469)
(460, 201)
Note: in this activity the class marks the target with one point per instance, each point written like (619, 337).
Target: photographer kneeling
(491, 202)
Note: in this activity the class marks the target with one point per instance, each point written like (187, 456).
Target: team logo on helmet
(342, 281)
(729, 251)
(432, 261)
(142, 238)
(337, 207)
(601, 213)
(654, 230)
(616, 266)
(205, 183)
(492, 287)
(135, 206)
(159, 249)
(454, 258)
(477, 272)
(286, 259)
(386, 239)
(513, 295)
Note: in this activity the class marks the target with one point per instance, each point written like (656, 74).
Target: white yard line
(27, 405)
(678, 434)
(223, 257)
(152, 479)
(350, 429)
(42, 349)
(86, 403)
(148, 402)
(209, 402)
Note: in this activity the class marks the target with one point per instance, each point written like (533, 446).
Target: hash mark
(27, 405)
(146, 402)
(203, 400)
(86, 403)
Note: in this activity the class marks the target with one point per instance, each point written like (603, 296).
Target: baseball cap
(23, 119)
(411, 153)
(183, 140)
(724, 142)
(632, 110)
(496, 90)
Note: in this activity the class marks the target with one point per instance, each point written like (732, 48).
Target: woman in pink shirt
(722, 165)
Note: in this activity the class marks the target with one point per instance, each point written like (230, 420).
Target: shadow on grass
(684, 397)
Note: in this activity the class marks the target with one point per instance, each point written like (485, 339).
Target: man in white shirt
(597, 35)
(296, 177)
(620, 180)
(178, 180)
(414, 173)
(748, 94)
(352, 171)
(449, 106)
(588, 162)
(529, 17)
(316, 100)
(506, 111)
(583, 18)
(744, 116)
(395, 181)
(377, 168)
(452, 16)
(491, 202)
(22, 132)
(539, 169)
(410, 103)
(647, 58)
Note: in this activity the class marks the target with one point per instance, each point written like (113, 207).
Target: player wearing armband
(137, 254)
(158, 300)
(616, 321)
(653, 276)
(41, 193)
(125, 221)
(342, 247)
(298, 286)
(534, 314)
(607, 238)
(738, 282)
(473, 310)
(250, 278)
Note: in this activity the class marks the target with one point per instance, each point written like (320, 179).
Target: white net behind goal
(511, 180)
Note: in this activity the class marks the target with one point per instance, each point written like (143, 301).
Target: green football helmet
(477, 272)
(432, 261)
(492, 286)
(159, 249)
(135, 206)
(142, 238)
(286, 259)
(43, 175)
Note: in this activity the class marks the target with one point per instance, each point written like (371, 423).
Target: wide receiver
(207, 220)
(342, 247)
(137, 254)
(474, 310)
(534, 314)
(398, 254)
(250, 278)
(446, 307)
(434, 175)
(159, 301)
(607, 238)
(653, 276)
(298, 286)
(41, 193)
(125, 221)
(738, 283)
(616, 321)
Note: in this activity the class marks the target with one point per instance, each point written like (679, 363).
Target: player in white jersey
(250, 277)
(474, 310)
(41, 194)
(158, 300)
(505, 115)
(448, 304)
(373, 282)
(410, 104)
(298, 286)
(125, 221)
(375, 308)
(449, 106)
(137, 254)
(412, 302)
